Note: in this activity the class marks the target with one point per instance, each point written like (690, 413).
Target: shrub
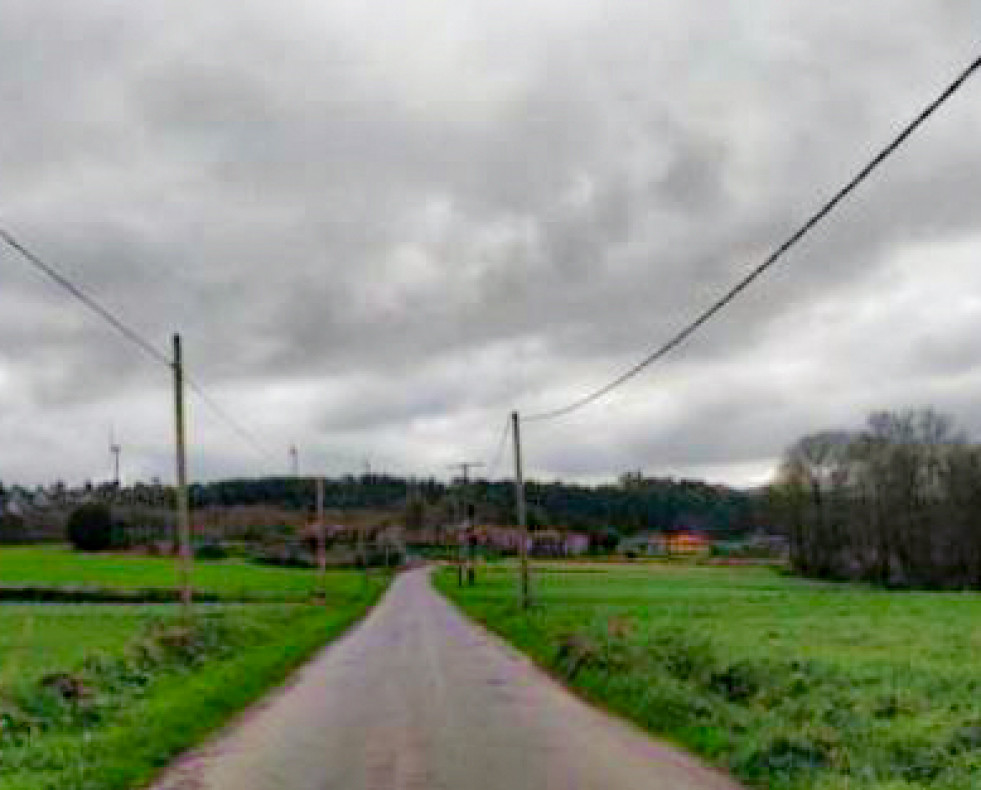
(90, 528)
(211, 551)
(12, 528)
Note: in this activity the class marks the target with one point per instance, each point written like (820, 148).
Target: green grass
(151, 686)
(788, 683)
(36, 640)
(235, 579)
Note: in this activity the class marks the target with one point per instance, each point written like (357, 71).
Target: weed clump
(575, 652)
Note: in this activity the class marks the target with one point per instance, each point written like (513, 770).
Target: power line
(230, 422)
(129, 333)
(775, 256)
(103, 312)
(498, 453)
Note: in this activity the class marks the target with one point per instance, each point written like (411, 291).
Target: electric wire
(103, 312)
(499, 452)
(130, 334)
(775, 256)
(230, 422)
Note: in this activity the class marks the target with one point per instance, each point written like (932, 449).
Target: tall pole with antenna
(114, 451)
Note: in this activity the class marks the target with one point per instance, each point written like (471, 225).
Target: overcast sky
(380, 227)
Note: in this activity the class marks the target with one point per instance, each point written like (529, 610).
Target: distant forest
(634, 504)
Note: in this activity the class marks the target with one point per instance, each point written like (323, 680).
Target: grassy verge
(111, 719)
(38, 640)
(788, 684)
(58, 573)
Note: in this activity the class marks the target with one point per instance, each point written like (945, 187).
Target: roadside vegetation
(101, 696)
(38, 640)
(27, 568)
(788, 683)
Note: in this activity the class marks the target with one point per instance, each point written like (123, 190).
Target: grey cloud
(453, 218)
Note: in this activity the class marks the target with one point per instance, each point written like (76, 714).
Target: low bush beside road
(790, 684)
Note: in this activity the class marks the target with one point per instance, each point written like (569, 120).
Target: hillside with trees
(632, 505)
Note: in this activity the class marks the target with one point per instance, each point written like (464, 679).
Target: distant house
(576, 544)
(759, 544)
(687, 543)
(17, 504)
(503, 539)
(647, 543)
(660, 544)
(540, 543)
(547, 543)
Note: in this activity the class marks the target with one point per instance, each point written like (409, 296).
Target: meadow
(36, 640)
(785, 682)
(104, 695)
(50, 567)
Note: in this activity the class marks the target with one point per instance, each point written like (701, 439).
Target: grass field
(788, 683)
(54, 566)
(36, 640)
(141, 685)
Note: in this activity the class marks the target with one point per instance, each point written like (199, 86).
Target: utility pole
(294, 461)
(464, 467)
(362, 557)
(114, 450)
(519, 493)
(321, 539)
(183, 510)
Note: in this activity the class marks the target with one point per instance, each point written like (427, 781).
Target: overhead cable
(775, 256)
(96, 307)
(498, 453)
(129, 333)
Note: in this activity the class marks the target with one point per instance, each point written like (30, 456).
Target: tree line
(631, 505)
(896, 503)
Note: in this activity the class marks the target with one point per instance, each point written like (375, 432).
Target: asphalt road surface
(419, 698)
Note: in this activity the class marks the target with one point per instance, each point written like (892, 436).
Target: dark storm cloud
(389, 227)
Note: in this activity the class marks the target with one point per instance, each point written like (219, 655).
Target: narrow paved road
(419, 698)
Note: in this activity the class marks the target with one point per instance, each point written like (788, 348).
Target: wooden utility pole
(183, 509)
(321, 539)
(362, 557)
(464, 467)
(519, 493)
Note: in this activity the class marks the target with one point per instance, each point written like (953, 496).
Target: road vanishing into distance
(419, 698)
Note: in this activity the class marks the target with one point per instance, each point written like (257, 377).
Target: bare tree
(896, 503)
